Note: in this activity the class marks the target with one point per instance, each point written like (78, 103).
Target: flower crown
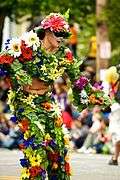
(55, 22)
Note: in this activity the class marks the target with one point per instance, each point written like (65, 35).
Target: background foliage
(112, 15)
(80, 9)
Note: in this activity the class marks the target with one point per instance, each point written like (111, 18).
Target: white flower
(56, 109)
(31, 40)
(14, 47)
(84, 97)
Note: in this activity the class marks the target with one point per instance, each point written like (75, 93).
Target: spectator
(115, 131)
(79, 133)
(73, 40)
(103, 140)
(93, 132)
(60, 96)
(10, 140)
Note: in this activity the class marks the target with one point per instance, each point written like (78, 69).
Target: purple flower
(13, 119)
(98, 85)
(52, 144)
(35, 146)
(20, 110)
(24, 162)
(3, 72)
(28, 142)
(60, 159)
(7, 44)
(81, 83)
(43, 174)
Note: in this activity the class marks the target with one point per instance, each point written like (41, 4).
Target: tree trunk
(2, 19)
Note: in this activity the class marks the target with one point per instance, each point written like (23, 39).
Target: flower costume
(44, 139)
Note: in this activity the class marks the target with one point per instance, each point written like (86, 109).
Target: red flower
(24, 125)
(67, 168)
(21, 146)
(53, 157)
(27, 53)
(69, 56)
(34, 171)
(55, 22)
(6, 59)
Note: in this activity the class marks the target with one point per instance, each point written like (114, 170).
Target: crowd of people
(9, 131)
(88, 129)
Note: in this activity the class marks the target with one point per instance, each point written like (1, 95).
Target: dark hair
(40, 33)
(68, 109)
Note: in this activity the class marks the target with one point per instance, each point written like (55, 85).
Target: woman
(114, 129)
(33, 62)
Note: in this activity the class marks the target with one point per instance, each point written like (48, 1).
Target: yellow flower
(26, 135)
(35, 160)
(11, 96)
(59, 122)
(25, 173)
(66, 140)
(67, 158)
(55, 165)
(47, 137)
(29, 100)
(55, 73)
(111, 75)
(43, 68)
(28, 152)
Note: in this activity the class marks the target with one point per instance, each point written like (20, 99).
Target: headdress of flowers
(55, 22)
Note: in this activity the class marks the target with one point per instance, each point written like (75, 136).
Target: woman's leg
(117, 151)
(114, 160)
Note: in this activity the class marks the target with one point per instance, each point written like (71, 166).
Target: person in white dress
(114, 129)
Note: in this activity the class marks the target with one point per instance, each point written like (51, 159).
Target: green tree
(112, 14)
(18, 8)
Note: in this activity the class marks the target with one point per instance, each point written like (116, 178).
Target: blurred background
(94, 25)
(95, 29)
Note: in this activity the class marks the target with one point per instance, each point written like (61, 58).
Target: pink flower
(55, 22)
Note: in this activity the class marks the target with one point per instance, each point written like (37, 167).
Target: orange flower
(24, 125)
(55, 165)
(100, 101)
(59, 122)
(47, 106)
(92, 99)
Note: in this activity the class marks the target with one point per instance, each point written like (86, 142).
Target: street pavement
(85, 167)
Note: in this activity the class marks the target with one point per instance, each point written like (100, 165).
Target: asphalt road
(85, 167)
